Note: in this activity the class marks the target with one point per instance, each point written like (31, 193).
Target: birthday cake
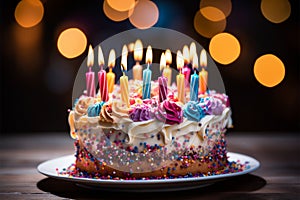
(148, 129)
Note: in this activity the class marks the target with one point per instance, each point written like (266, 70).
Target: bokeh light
(121, 5)
(113, 14)
(71, 42)
(144, 15)
(224, 48)
(223, 5)
(29, 13)
(208, 28)
(269, 70)
(275, 11)
(212, 13)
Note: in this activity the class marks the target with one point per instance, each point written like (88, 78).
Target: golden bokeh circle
(275, 11)
(144, 15)
(224, 5)
(212, 13)
(29, 13)
(208, 28)
(113, 14)
(71, 42)
(224, 48)
(121, 5)
(269, 70)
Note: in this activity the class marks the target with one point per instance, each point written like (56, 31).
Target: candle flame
(149, 55)
(193, 51)
(131, 47)
(203, 58)
(186, 54)
(162, 61)
(112, 58)
(138, 50)
(168, 56)
(195, 61)
(100, 56)
(90, 59)
(124, 58)
(179, 60)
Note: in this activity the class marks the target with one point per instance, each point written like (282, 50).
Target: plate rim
(254, 162)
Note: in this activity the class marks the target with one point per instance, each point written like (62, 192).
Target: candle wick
(194, 70)
(110, 69)
(148, 65)
(90, 69)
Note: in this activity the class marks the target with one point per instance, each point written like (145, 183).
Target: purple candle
(162, 81)
(90, 75)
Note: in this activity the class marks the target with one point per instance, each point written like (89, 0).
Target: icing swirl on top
(141, 113)
(105, 114)
(120, 112)
(169, 112)
(212, 106)
(192, 111)
(223, 97)
(94, 110)
(82, 105)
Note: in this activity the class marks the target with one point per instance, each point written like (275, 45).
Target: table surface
(277, 178)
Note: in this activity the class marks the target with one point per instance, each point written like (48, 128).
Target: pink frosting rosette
(169, 112)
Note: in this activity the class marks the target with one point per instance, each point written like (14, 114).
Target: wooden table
(277, 178)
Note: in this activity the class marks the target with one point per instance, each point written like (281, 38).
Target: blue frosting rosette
(192, 111)
(94, 110)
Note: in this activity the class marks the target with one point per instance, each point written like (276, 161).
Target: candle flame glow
(131, 47)
(111, 58)
(90, 59)
(179, 60)
(193, 51)
(168, 57)
(100, 56)
(203, 58)
(138, 50)
(195, 61)
(149, 55)
(124, 58)
(186, 55)
(162, 61)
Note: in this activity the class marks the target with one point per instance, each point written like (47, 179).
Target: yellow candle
(138, 56)
(180, 78)
(124, 79)
(167, 72)
(203, 75)
(124, 89)
(110, 75)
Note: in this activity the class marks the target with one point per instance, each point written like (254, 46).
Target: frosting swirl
(105, 114)
(192, 111)
(169, 112)
(82, 105)
(141, 113)
(212, 106)
(94, 110)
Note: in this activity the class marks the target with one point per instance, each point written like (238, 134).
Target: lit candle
(147, 75)
(103, 90)
(194, 85)
(180, 78)
(186, 70)
(203, 73)
(124, 79)
(138, 55)
(111, 75)
(167, 72)
(162, 80)
(90, 76)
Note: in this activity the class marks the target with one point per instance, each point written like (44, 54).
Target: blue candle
(194, 85)
(147, 83)
(147, 75)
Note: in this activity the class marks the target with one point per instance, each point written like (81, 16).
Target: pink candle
(163, 81)
(186, 70)
(103, 89)
(90, 75)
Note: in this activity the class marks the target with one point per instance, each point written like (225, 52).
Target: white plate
(49, 167)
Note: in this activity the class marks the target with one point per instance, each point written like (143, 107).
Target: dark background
(36, 80)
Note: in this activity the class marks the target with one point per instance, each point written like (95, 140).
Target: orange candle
(124, 79)
(111, 75)
(203, 75)
(167, 72)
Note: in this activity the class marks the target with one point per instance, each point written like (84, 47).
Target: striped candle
(162, 81)
(90, 75)
(103, 89)
(147, 73)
